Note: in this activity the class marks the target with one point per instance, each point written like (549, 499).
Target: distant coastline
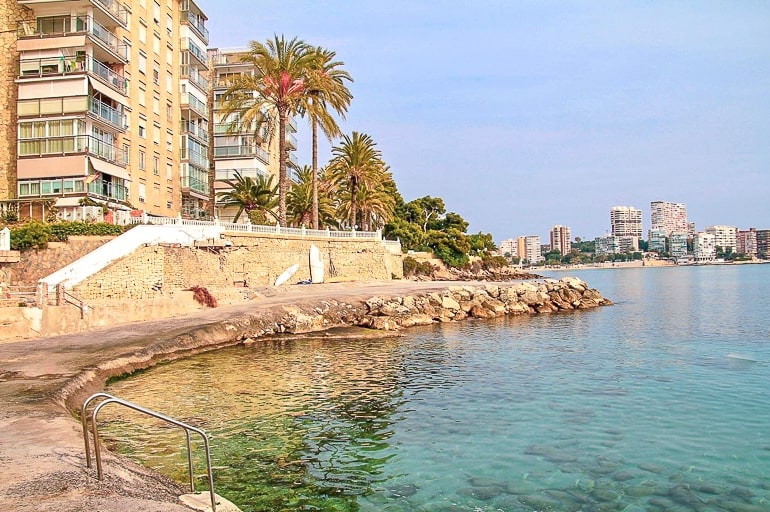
(609, 265)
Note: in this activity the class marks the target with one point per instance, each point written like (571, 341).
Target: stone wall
(251, 260)
(38, 263)
(11, 13)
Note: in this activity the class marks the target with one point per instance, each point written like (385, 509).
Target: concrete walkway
(42, 460)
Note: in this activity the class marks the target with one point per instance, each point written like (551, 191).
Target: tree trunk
(353, 205)
(283, 118)
(315, 174)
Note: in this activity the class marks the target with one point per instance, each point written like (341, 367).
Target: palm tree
(273, 91)
(299, 202)
(356, 163)
(255, 197)
(326, 91)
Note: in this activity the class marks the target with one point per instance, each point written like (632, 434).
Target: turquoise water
(632, 407)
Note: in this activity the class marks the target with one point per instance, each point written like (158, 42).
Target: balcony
(111, 9)
(291, 140)
(106, 113)
(194, 78)
(70, 144)
(242, 152)
(61, 26)
(108, 190)
(195, 51)
(195, 22)
(195, 158)
(194, 104)
(196, 131)
(192, 184)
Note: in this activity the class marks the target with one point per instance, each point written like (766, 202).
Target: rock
(448, 302)
(416, 319)
(479, 311)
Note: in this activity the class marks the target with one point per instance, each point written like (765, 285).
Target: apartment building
(509, 247)
(763, 243)
(251, 151)
(704, 247)
(626, 221)
(657, 240)
(101, 87)
(561, 239)
(668, 217)
(677, 243)
(746, 242)
(528, 248)
(611, 244)
(724, 237)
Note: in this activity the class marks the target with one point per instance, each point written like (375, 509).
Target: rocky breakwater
(492, 300)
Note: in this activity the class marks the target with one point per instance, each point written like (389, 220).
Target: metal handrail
(109, 399)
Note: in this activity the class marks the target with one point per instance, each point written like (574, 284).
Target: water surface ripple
(631, 407)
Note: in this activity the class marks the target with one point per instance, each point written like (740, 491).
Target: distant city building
(747, 242)
(705, 247)
(677, 244)
(763, 243)
(626, 221)
(508, 247)
(528, 248)
(691, 230)
(560, 239)
(668, 217)
(725, 237)
(657, 240)
(611, 244)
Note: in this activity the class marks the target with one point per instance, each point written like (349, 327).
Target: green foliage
(481, 243)
(32, 234)
(451, 246)
(412, 267)
(61, 231)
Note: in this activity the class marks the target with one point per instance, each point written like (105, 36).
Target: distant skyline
(526, 114)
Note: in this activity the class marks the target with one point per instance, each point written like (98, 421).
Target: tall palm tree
(273, 91)
(326, 92)
(255, 197)
(299, 202)
(356, 162)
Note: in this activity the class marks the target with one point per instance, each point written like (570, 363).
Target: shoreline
(44, 380)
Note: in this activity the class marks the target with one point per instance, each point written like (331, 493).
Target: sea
(660, 402)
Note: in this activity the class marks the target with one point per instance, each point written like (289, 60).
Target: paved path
(42, 461)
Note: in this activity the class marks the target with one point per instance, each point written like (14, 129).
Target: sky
(525, 114)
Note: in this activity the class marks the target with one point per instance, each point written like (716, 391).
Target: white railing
(255, 228)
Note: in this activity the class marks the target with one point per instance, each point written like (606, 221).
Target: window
(142, 129)
(142, 193)
(169, 55)
(126, 153)
(169, 143)
(141, 160)
(169, 25)
(142, 31)
(156, 165)
(156, 44)
(142, 62)
(169, 82)
(142, 96)
(156, 133)
(156, 13)
(169, 171)
(156, 76)
(169, 116)
(156, 105)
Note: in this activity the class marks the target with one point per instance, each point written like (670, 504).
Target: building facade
(677, 244)
(611, 244)
(528, 248)
(561, 239)
(746, 242)
(250, 151)
(104, 100)
(763, 243)
(508, 247)
(668, 217)
(626, 221)
(657, 240)
(725, 237)
(704, 247)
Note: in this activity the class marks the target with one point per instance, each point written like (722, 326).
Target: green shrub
(32, 234)
(412, 267)
(61, 231)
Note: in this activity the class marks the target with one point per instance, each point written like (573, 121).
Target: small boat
(316, 265)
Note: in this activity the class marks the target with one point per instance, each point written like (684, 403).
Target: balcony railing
(195, 158)
(86, 144)
(195, 104)
(195, 130)
(57, 26)
(102, 110)
(229, 174)
(241, 152)
(37, 68)
(195, 184)
(108, 190)
(194, 78)
(114, 8)
(196, 22)
(187, 44)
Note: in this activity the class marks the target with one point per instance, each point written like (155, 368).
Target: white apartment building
(611, 244)
(528, 248)
(626, 221)
(508, 247)
(560, 239)
(725, 237)
(657, 240)
(705, 247)
(668, 217)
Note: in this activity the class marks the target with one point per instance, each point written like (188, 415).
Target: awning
(108, 91)
(108, 168)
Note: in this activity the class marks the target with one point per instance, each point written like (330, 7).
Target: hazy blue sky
(525, 114)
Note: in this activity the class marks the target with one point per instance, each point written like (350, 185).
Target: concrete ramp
(124, 245)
